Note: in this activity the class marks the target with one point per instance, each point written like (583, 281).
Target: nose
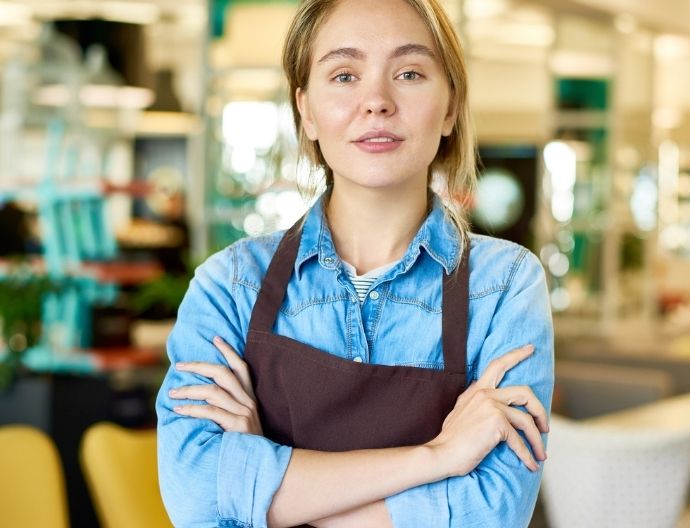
(378, 100)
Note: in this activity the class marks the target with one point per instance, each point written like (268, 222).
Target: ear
(449, 120)
(305, 114)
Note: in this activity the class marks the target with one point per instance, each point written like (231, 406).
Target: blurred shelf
(111, 272)
(41, 359)
(584, 119)
(157, 124)
(124, 358)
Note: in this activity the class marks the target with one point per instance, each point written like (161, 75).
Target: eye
(410, 76)
(344, 78)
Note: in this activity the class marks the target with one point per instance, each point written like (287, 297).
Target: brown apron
(311, 399)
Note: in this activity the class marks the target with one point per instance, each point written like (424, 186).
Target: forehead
(370, 25)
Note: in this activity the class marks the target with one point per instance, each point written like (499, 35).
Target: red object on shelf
(139, 189)
(123, 273)
(120, 358)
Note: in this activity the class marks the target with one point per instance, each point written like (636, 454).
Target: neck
(372, 228)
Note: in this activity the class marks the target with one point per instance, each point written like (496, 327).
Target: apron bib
(311, 399)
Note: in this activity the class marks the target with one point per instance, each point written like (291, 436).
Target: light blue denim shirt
(213, 478)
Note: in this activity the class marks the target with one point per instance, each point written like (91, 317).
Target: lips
(378, 142)
(378, 136)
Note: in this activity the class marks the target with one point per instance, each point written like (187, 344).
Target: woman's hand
(230, 398)
(483, 417)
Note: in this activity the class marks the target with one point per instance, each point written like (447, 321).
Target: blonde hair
(454, 166)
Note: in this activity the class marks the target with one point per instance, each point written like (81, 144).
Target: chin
(378, 182)
(381, 177)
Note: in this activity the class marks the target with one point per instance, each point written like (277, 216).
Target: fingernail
(529, 348)
(177, 409)
(217, 339)
(180, 364)
(172, 392)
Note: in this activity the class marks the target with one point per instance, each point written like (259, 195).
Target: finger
(515, 443)
(211, 394)
(238, 366)
(524, 422)
(495, 370)
(227, 421)
(523, 396)
(221, 375)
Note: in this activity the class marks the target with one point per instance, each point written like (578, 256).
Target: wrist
(430, 457)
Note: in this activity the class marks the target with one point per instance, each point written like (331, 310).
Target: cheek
(432, 114)
(333, 118)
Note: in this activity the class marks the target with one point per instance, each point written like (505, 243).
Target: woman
(346, 373)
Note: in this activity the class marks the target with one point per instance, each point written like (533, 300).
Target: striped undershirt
(362, 283)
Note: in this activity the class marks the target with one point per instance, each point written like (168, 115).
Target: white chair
(599, 476)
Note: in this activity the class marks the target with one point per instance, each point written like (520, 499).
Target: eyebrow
(400, 51)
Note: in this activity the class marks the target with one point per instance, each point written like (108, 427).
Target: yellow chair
(32, 484)
(121, 471)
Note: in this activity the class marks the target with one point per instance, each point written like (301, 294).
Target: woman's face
(378, 98)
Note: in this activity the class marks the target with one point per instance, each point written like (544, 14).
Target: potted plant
(155, 306)
(21, 300)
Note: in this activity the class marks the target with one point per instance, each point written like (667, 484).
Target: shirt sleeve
(209, 477)
(501, 491)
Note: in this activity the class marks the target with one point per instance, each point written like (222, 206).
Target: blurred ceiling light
(643, 202)
(114, 10)
(95, 96)
(531, 14)
(558, 264)
(249, 83)
(493, 52)
(667, 118)
(250, 124)
(580, 64)
(243, 159)
(191, 15)
(132, 12)
(669, 172)
(514, 33)
(625, 23)
(560, 299)
(485, 8)
(101, 96)
(560, 159)
(13, 14)
(668, 47)
(167, 123)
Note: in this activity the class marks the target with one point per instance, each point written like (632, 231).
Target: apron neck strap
(455, 313)
(455, 308)
(274, 285)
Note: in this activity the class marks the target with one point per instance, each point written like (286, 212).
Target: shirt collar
(437, 236)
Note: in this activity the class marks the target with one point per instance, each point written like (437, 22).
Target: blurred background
(137, 137)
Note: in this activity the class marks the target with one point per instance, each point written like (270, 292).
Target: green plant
(21, 301)
(161, 297)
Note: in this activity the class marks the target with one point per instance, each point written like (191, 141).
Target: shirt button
(374, 295)
(329, 260)
(358, 359)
